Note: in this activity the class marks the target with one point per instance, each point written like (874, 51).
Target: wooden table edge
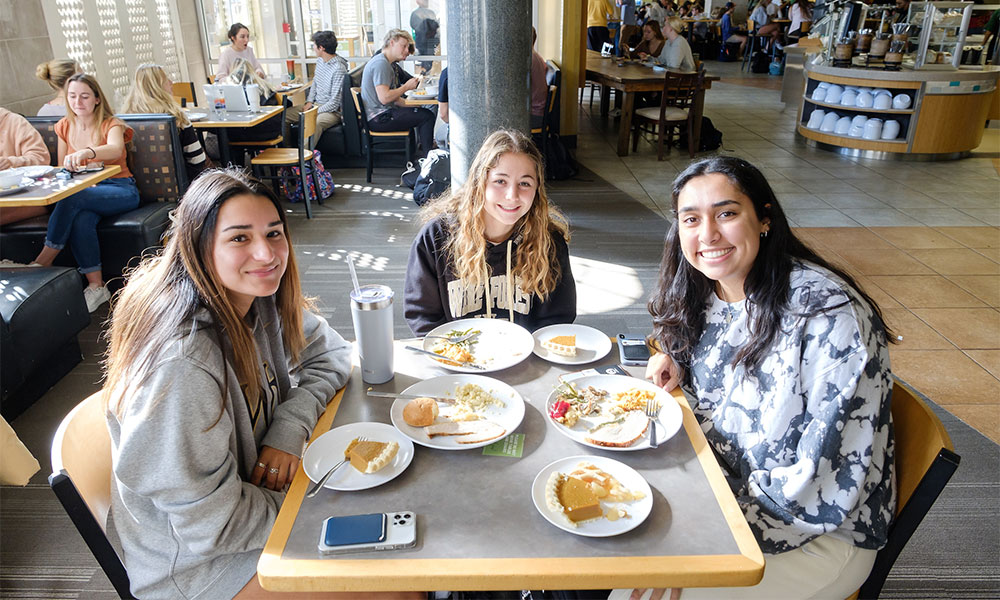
(266, 112)
(91, 179)
(320, 574)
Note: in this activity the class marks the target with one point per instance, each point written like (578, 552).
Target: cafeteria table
(236, 119)
(628, 79)
(477, 526)
(49, 190)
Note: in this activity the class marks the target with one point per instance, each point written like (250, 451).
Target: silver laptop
(238, 98)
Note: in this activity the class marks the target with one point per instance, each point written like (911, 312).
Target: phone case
(632, 343)
(401, 533)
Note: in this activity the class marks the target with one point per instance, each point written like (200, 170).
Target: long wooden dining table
(630, 78)
(477, 526)
(49, 190)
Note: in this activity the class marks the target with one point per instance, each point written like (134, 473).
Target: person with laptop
(327, 88)
(239, 38)
(382, 93)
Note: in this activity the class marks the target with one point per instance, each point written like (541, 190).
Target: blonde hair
(675, 23)
(102, 112)
(165, 291)
(394, 34)
(147, 95)
(464, 208)
(243, 73)
(56, 71)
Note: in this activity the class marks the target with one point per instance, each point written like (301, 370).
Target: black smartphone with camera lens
(633, 350)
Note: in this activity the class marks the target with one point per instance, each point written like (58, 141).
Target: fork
(452, 339)
(319, 484)
(652, 413)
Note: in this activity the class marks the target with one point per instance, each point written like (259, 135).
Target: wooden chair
(301, 156)
(679, 91)
(925, 462)
(550, 102)
(375, 140)
(754, 41)
(81, 479)
(185, 91)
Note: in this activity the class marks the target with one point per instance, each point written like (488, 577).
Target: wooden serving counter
(945, 118)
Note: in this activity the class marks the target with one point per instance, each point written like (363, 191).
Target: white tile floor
(817, 188)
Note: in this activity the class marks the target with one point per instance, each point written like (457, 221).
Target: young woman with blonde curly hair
(152, 92)
(492, 244)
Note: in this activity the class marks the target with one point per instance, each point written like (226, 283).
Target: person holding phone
(89, 133)
(787, 363)
(217, 371)
(493, 248)
(651, 44)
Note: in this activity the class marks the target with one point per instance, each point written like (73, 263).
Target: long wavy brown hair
(102, 112)
(464, 210)
(162, 295)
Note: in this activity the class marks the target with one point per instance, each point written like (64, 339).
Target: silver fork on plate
(652, 411)
(454, 339)
(319, 484)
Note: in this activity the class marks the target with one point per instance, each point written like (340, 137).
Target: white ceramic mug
(843, 126)
(865, 99)
(873, 129)
(819, 94)
(857, 126)
(829, 123)
(816, 118)
(848, 98)
(890, 130)
(901, 102)
(882, 101)
(833, 94)
(879, 91)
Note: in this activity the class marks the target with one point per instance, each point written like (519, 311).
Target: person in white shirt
(799, 13)
(676, 52)
(762, 19)
(239, 36)
(327, 88)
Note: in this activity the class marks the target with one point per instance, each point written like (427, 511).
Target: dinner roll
(420, 412)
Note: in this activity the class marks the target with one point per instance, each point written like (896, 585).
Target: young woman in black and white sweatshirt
(494, 243)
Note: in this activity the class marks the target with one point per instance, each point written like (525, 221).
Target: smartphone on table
(633, 350)
(367, 533)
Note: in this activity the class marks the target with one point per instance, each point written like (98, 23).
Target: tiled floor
(923, 238)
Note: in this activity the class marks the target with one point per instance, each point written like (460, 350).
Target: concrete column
(489, 64)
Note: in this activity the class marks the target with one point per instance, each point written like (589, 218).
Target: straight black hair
(327, 40)
(678, 306)
(235, 29)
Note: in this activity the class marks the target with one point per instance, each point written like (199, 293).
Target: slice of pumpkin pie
(572, 498)
(563, 345)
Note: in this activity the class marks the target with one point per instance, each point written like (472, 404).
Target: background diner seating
(380, 142)
(156, 162)
(81, 479)
(679, 91)
(301, 156)
(185, 91)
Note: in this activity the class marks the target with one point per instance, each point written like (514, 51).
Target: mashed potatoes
(471, 399)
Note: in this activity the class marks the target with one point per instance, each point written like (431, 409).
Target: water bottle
(371, 311)
(219, 104)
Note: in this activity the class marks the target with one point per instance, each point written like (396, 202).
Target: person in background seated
(383, 94)
(239, 38)
(217, 371)
(244, 75)
(652, 41)
(539, 84)
(762, 17)
(676, 52)
(799, 13)
(441, 128)
(89, 133)
(426, 33)
(152, 92)
(787, 362)
(494, 247)
(55, 73)
(730, 33)
(327, 90)
(20, 146)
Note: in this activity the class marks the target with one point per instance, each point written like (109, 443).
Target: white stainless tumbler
(371, 310)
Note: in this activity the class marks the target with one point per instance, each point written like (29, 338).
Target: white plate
(667, 425)
(328, 449)
(501, 344)
(509, 416)
(591, 344)
(196, 116)
(629, 477)
(32, 171)
(15, 189)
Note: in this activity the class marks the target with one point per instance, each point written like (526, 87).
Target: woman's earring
(763, 234)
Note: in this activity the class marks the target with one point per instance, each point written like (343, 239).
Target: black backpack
(434, 178)
(559, 163)
(760, 62)
(711, 138)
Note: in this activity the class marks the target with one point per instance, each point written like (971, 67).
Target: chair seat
(653, 113)
(281, 156)
(389, 133)
(271, 142)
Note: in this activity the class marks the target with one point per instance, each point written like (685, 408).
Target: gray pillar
(489, 70)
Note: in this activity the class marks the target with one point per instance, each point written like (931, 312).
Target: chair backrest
(81, 479)
(804, 27)
(925, 462)
(359, 108)
(308, 120)
(185, 90)
(680, 89)
(297, 98)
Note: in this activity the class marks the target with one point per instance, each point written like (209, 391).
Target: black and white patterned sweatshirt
(806, 438)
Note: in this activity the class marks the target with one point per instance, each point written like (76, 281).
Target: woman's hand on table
(663, 371)
(275, 468)
(79, 159)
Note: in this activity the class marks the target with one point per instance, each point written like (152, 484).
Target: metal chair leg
(370, 151)
(305, 188)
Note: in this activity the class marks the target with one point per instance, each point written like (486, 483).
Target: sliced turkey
(621, 433)
(468, 432)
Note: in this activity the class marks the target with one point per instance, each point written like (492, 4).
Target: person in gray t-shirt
(382, 93)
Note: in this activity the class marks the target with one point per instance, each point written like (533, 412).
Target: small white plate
(196, 116)
(629, 477)
(328, 449)
(670, 421)
(591, 344)
(509, 416)
(500, 345)
(15, 189)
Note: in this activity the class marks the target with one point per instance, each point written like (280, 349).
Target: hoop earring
(763, 234)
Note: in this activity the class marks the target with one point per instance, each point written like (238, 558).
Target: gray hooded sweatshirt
(190, 523)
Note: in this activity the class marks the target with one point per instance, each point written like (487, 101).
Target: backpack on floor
(711, 138)
(559, 163)
(760, 62)
(434, 177)
(292, 187)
